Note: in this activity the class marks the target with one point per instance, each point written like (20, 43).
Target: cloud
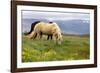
(54, 15)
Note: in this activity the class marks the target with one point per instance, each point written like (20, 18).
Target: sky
(50, 16)
(69, 22)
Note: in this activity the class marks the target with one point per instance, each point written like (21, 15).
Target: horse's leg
(48, 37)
(35, 36)
(51, 37)
(54, 38)
(40, 35)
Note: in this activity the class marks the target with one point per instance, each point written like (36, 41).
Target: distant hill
(80, 35)
(76, 27)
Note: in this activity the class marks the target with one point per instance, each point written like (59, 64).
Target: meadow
(72, 48)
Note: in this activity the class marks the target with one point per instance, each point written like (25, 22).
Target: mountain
(74, 26)
(79, 27)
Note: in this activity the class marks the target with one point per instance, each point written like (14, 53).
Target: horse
(32, 29)
(47, 29)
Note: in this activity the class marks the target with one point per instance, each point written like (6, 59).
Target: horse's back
(47, 28)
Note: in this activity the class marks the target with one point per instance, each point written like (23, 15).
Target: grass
(72, 48)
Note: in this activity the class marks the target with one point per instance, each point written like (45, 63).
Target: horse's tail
(32, 27)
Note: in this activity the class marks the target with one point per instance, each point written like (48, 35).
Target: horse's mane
(32, 27)
(50, 22)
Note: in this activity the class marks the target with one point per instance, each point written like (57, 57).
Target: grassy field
(72, 48)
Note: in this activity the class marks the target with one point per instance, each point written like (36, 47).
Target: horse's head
(58, 37)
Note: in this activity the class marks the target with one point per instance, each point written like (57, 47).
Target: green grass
(72, 48)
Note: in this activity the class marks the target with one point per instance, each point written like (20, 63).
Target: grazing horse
(47, 29)
(32, 29)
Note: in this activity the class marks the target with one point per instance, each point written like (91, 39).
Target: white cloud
(54, 15)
